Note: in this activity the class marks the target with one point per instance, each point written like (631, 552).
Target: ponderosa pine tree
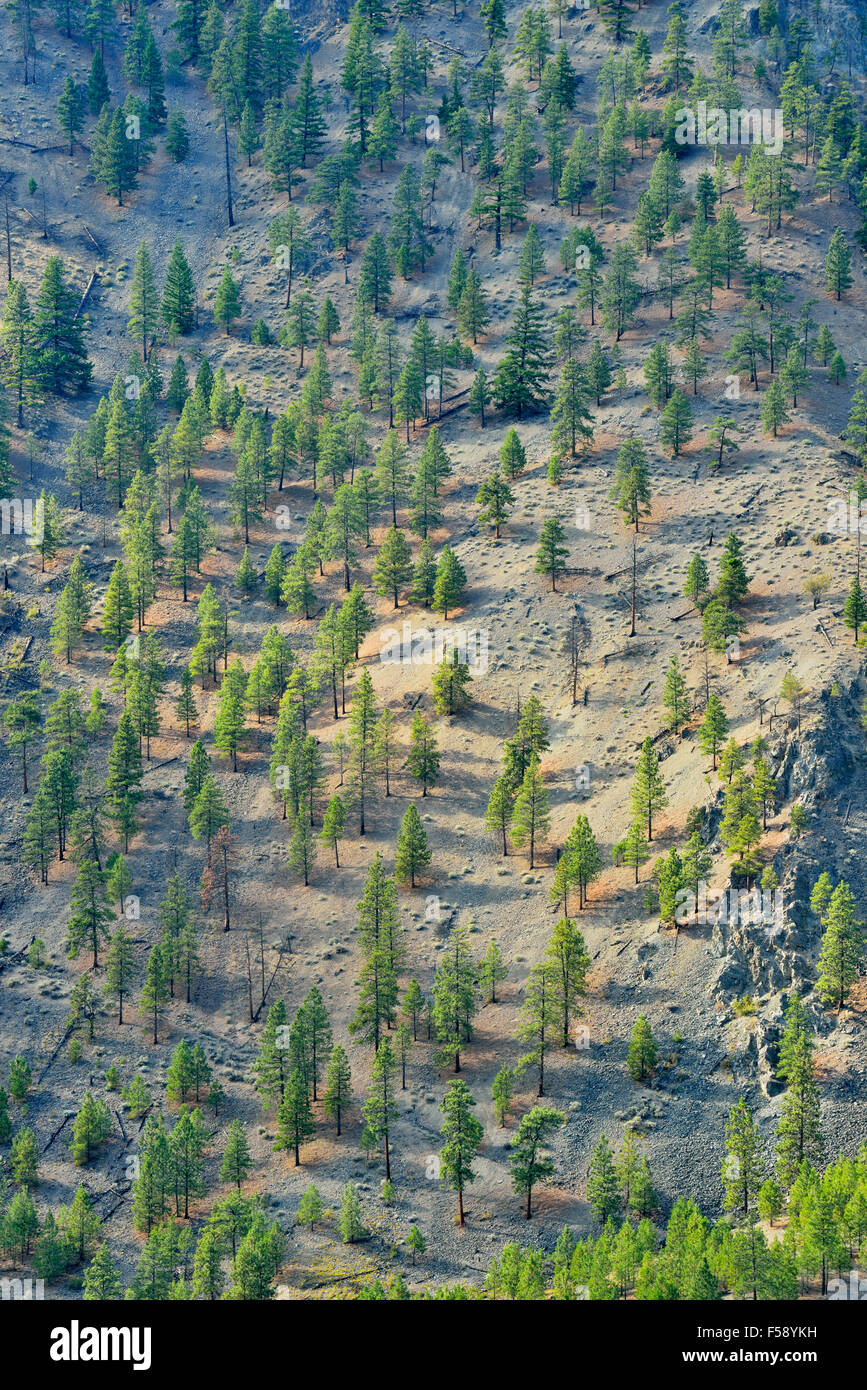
(568, 963)
(462, 1136)
(842, 947)
(177, 309)
(531, 816)
(838, 262)
(382, 946)
(744, 1167)
(455, 997)
(675, 696)
(19, 370)
(495, 498)
(295, 1120)
(237, 1161)
(61, 363)
(91, 914)
(500, 810)
(120, 968)
(675, 426)
(520, 385)
(552, 552)
(529, 1161)
(648, 789)
(227, 301)
(412, 855)
(642, 1054)
(423, 758)
(855, 608)
(154, 995)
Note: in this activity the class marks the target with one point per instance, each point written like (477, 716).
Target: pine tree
(799, 1135)
(552, 552)
(529, 1160)
(479, 396)
(774, 413)
(462, 1137)
(19, 370)
(842, 947)
(102, 1281)
(334, 826)
(451, 581)
(423, 758)
(531, 817)
(91, 915)
(120, 968)
(520, 385)
(177, 310)
(568, 962)
(603, 1187)
(71, 612)
(154, 992)
(450, 683)
(675, 696)
(538, 1020)
(91, 1128)
(338, 1086)
(295, 1121)
(350, 1225)
(713, 728)
(97, 85)
(144, 301)
(733, 582)
(124, 777)
(642, 1054)
(236, 1162)
(22, 720)
(227, 302)
(392, 569)
(177, 136)
(382, 948)
(676, 423)
(500, 810)
(380, 1108)
(579, 864)
(61, 363)
(454, 997)
(855, 608)
(302, 848)
(824, 346)
(744, 1169)
(407, 242)
(186, 708)
(70, 112)
(24, 1159)
(412, 855)
(648, 788)
(310, 1207)
(471, 308)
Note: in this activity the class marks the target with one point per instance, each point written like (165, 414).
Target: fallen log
(50, 1061)
(16, 955)
(63, 1123)
(85, 296)
(91, 238)
(156, 767)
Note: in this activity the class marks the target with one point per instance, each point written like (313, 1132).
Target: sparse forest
(433, 716)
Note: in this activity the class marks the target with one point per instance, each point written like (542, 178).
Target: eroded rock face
(774, 954)
(317, 18)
